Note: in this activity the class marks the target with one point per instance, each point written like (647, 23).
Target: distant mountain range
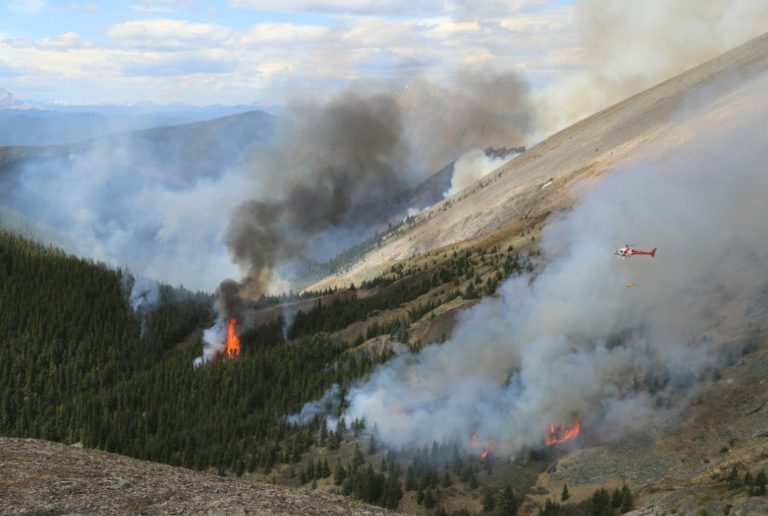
(39, 123)
(10, 101)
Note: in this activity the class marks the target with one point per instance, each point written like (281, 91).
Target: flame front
(233, 342)
(558, 435)
(487, 449)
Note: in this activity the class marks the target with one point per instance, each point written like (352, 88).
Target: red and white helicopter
(629, 250)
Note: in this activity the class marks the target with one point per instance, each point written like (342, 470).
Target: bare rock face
(41, 477)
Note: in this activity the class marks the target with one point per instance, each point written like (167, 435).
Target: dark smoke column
(350, 151)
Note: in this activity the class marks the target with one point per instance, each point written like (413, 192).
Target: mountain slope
(703, 125)
(640, 125)
(41, 477)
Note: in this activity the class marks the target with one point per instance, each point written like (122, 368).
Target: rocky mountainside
(40, 477)
(699, 460)
(646, 124)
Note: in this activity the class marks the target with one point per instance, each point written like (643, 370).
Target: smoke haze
(475, 165)
(627, 47)
(478, 109)
(155, 202)
(349, 151)
(574, 341)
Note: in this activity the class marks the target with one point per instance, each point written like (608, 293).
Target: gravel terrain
(41, 477)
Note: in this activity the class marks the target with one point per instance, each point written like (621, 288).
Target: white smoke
(472, 166)
(628, 47)
(328, 404)
(145, 294)
(574, 341)
(214, 342)
(116, 203)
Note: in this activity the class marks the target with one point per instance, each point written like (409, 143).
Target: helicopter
(629, 250)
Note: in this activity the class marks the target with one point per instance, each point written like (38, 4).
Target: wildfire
(487, 449)
(558, 435)
(233, 342)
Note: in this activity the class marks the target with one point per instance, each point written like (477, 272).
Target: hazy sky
(242, 51)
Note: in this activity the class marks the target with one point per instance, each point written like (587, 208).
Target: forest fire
(233, 342)
(487, 449)
(558, 435)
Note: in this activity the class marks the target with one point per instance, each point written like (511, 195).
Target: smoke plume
(574, 342)
(476, 164)
(350, 151)
(479, 109)
(155, 202)
(628, 47)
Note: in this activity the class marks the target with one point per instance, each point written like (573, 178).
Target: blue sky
(241, 51)
(577, 55)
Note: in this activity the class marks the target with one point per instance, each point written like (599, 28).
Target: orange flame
(233, 342)
(555, 435)
(487, 449)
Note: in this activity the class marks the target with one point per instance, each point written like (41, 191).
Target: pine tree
(550, 509)
(429, 500)
(489, 502)
(357, 458)
(323, 432)
(760, 482)
(564, 495)
(339, 473)
(626, 499)
(600, 505)
(733, 478)
(410, 479)
(616, 498)
(326, 470)
(507, 502)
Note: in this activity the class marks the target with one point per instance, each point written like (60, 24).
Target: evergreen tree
(600, 504)
(323, 432)
(410, 479)
(626, 499)
(564, 495)
(550, 509)
(760, 483)
(489, 502)
(326, 470)
(733, 478)
(429, 499)
(339, 474)
(507, 502)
